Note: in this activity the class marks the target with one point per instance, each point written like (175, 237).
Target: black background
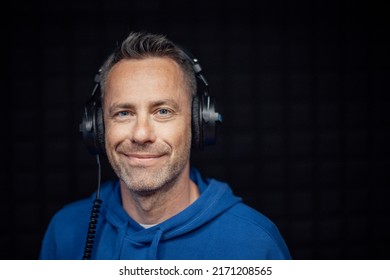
(303, 87)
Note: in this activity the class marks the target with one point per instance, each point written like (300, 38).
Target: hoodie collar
(215, 198)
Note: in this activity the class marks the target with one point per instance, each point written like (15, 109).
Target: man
(160, 207)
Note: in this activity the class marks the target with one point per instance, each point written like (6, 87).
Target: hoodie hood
(215, 198)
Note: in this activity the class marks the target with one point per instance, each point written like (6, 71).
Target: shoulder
(67, 229)
(68, 226)
(73, 212)
(249, 216)
(246, 223)
(80, 210)
(252, 220)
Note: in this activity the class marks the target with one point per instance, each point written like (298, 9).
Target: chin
(146, 181)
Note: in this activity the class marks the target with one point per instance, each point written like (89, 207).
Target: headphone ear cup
(92, 127)
(99, 124)
(196, 123)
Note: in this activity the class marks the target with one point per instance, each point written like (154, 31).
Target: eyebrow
(118, 106)
(170, 102)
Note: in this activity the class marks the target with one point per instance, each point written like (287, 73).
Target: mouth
(143, 159)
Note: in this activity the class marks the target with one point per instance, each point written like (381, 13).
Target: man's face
(147, 117)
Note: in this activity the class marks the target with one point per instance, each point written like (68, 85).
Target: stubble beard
(146, 181)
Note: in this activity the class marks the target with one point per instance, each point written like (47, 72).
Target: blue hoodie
(217, 226)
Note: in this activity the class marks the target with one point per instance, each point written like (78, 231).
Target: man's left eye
(164, 114)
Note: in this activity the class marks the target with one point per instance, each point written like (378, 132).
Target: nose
(143, 131)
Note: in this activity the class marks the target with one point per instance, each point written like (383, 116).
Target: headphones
(203, 123)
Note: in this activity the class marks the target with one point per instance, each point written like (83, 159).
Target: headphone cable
(93, 220)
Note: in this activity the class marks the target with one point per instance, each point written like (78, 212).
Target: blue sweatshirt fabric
(217, 226)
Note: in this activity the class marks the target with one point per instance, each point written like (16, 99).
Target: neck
(156, 207)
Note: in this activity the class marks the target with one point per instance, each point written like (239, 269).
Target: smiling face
(147, 118)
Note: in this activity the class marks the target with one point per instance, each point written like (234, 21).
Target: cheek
(113, 134)
(175, 134)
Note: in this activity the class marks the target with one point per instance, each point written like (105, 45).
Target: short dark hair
(139, 45)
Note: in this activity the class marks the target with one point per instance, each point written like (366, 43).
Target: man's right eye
(123, 114)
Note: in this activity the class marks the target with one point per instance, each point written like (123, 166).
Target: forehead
(151, 67)
(148, 75)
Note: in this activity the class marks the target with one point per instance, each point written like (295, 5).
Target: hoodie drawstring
(153, 247)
